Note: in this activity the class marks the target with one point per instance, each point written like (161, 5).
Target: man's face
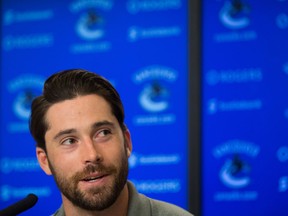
(87, 152)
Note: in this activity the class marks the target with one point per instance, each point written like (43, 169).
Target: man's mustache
(93, 168)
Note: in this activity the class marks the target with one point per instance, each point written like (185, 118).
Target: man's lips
(94, 177)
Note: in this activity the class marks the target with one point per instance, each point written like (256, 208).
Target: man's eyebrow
(94, 126)
(103, 123)
(64, 132)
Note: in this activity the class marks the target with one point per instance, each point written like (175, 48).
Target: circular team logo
(235, 172)
(154, 97)
(90, 22)
(155, 94)
(233, 14)
(22, 103)
(24, 89)
(89, 26)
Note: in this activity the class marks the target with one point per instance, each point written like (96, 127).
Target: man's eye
(103, 133)
(68, 141)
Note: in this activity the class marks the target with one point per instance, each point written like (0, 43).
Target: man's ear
(128, 142)
(43, 160)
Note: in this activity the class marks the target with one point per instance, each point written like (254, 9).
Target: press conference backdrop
(245, 107)
(140, 46)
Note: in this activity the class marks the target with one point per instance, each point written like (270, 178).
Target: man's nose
(90, 152)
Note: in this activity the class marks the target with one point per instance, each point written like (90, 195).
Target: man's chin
(94, 199)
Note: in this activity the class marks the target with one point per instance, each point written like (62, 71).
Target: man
(78, 125)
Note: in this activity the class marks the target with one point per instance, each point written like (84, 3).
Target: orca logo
(233, 14)
(156, 82)
(25, 88)
(233, 173)
(89, 26)
(153, 97)
(23, 102)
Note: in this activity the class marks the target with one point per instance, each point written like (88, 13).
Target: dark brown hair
(66, 85)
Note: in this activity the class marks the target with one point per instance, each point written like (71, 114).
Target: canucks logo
(156, 81)
(234, 14)
(22, 103)
(90, 23)
(234, 173)
(154, 97)
(89, 26)
(23, 90)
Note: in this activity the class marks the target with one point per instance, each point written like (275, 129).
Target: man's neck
(119, 207)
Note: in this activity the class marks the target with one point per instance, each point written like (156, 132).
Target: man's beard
(94, 199)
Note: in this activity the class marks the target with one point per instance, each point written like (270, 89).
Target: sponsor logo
(286, 113)
(136, 6)
(282, 154)
(157, 185)
(90, 25)
(285, 67)
(23, 89)
(283, 184)
(8, 192)
(33, 41)
(12, 16)
(155, 97)
(234, 13)
(151, 160)
(236, 169)
(136, 33)
(8, 165)
(214, 77)
(216, 106)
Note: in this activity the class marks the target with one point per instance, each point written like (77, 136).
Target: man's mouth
(93, 178)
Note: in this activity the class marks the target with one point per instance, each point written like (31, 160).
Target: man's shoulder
(141, 205)
(59, 212)
(163, 208)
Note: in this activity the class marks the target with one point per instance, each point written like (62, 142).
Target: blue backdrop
(244, 106)
(140, 46)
